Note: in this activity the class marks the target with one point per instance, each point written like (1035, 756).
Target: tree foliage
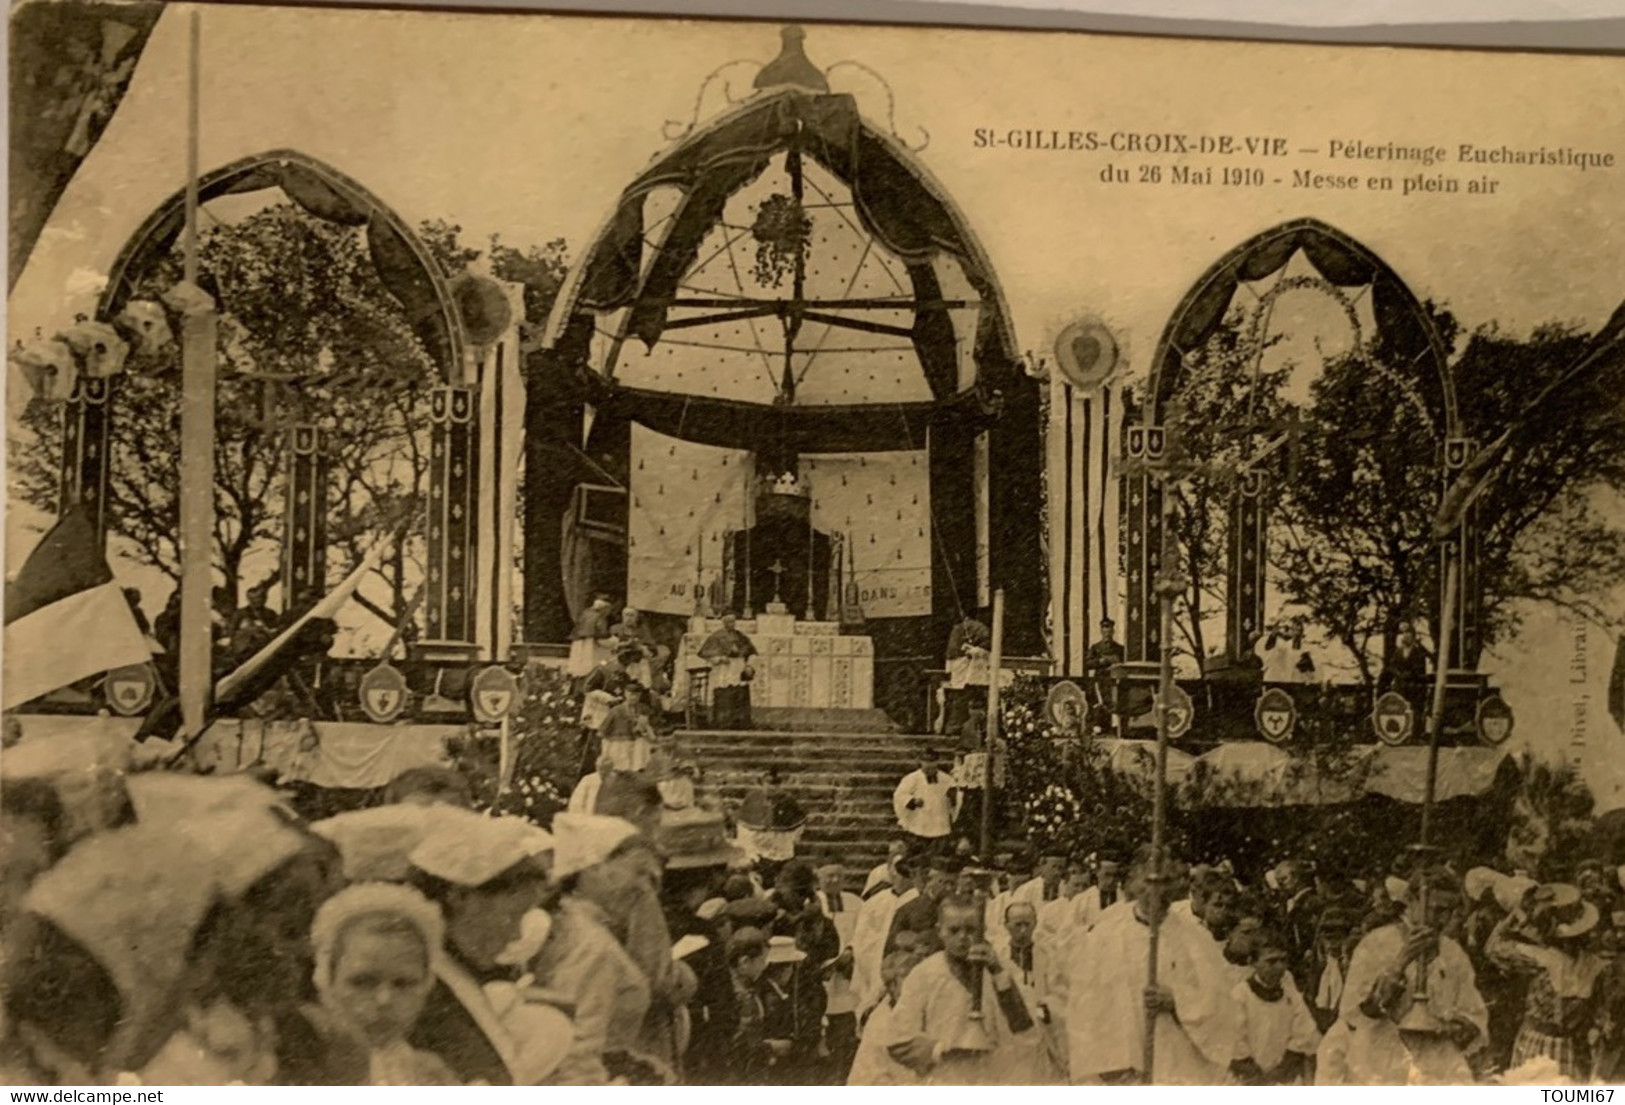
(307, 332)
(1351, 509)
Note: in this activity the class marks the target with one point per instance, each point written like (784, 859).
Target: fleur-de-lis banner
(685, 498)
(70, 67)
(891, 540)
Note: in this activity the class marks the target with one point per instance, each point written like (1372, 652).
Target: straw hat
(469, 849)
(1564, 899)
(693, 837)
(584, 840)
(782, 949)
(1583, 923)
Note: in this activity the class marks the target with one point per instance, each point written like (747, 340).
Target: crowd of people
(1303, 977)
(162, 928)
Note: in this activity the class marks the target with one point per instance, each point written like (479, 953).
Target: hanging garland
(783, 232)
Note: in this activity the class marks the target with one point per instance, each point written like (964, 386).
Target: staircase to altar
(844, 781)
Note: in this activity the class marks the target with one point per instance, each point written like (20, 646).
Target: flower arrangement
(546, 750)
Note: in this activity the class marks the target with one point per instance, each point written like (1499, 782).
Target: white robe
(1086, 908)
(936, 1005)
(1106, 980)
(1368, 1051)
(584, 798)
(1266, 1031)
(934, 818)
(873, 1064)
(869, 942)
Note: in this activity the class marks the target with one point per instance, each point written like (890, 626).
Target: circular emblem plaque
(383, 692)
(493, 694)
(1393, 719)
(1276, 715)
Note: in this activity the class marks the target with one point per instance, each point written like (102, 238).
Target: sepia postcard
(548, 549)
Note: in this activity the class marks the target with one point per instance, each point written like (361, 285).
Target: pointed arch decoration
(985, 404)
(410, 273)
(1407, 332)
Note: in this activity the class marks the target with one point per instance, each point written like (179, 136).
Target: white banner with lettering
(881, 504)
(684, 498)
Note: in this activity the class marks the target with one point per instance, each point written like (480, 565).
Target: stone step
(844, 780)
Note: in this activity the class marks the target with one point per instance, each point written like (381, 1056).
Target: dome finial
(792, 66)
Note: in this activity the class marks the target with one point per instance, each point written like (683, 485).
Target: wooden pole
(1159, 813)
(1441, 678)
(197, 448)
(995, 662)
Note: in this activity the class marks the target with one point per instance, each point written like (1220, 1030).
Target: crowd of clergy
(163, 928)
(978, 975)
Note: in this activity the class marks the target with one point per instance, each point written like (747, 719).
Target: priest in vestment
(729, 653)
(1107, 1000)
(590, 643)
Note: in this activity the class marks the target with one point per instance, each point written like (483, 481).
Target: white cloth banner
(881, 504)
(685, 497)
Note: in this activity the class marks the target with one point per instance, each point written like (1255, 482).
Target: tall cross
(778, 569)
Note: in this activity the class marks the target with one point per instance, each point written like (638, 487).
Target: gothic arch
(414, 278)
(1408, 333)
(403, 262)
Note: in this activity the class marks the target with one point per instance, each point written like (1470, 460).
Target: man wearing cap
(649, 667)
(1107, 998)
(603, 689)
(1102, 656)
(926, 803)
(919, 916)
(486, 873)
(967, 662)
(960, 1016)
(626, 734)
(729, 653)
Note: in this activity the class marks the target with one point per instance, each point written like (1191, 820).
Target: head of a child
(376, 945)
(894, 969)
(1269, 957)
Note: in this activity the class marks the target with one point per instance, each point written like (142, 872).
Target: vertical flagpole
(995, 663)
(197, 445)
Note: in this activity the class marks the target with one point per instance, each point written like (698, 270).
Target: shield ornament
(1156, 441)
(1276, 715)
(1136, 441)
(1181, 712)
(1393, 719)
(493, 694)
(1494, 720)
(130, 690)
(1457, 451)
(383, 692)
